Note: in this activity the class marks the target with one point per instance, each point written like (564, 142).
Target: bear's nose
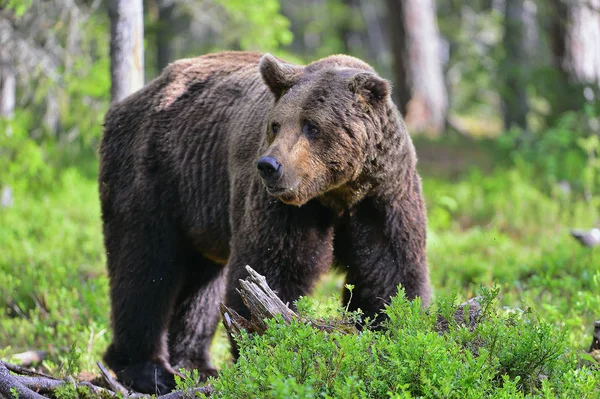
(270, 170)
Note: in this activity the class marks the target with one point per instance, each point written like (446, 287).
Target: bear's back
(176, 136)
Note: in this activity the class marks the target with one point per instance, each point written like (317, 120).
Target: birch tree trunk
(575, 38)
(579, 52)
(8, 86)
(126, 47)
(419, 79)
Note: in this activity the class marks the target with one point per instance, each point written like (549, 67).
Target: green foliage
(53, 288)
(499, 228)
(260, 24)
(485, 229)
(19, 7)
(474, 32)
(73, 361)
(508, 354)
(72, 391)
(321, 26)
(567, 151)
(22, 159)
(66, 391)
(189, 380)
(505, 226)
(76, 88)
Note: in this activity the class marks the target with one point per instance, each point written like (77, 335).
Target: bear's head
(323, 128)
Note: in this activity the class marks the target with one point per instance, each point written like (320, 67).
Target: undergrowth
(508, 354)
(493, 228)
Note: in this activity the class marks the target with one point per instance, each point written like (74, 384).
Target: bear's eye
(275, 127)
(309, 129)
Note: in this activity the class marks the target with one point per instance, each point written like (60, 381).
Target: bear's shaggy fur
(185, 209)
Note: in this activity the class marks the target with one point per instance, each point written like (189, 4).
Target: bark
(419, 81)
(578, 50)
(8, 86)
(262, 302)
(38, 386)
(514, 96)
(9, 385)
(126, 47)
(575, 34)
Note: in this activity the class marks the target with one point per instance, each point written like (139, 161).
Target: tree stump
(262, 302)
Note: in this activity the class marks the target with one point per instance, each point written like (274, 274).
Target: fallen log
(263, 304)
(35, 385)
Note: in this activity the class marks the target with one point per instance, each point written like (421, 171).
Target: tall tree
(419, 80)
(164, 33)
(8, 85)
(514, 69)
(577, 39)
(126, 47)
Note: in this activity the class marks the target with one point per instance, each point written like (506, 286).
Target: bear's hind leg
(144, 281)
(196, 315)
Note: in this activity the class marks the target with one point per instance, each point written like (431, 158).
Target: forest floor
(488, 225)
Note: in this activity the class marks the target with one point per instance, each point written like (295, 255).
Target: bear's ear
(370, 87)
(279, 76)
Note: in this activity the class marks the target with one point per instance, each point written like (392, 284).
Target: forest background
(501, 98)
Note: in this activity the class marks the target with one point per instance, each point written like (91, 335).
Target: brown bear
(236, 159)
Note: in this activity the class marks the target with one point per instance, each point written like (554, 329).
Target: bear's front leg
(291, 246)
(382, 243)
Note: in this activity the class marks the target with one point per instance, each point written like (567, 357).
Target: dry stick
(41, 383)
(111, 381)
(9, 385)
(25, 371)
(27, 387)
(262, 302)
(118, 387)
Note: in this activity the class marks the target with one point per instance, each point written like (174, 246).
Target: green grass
(485, 229)
(53, 287)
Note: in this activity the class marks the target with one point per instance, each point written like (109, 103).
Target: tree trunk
(419, 81)
(514, 96)
(575, 38)
(579, 52)
(377, 44)
(8, 86)
(126, 47)
(164, 34)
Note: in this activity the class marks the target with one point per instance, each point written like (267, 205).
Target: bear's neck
(394, 160)
(388, 171)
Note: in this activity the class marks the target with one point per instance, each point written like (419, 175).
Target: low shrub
(508, 354)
